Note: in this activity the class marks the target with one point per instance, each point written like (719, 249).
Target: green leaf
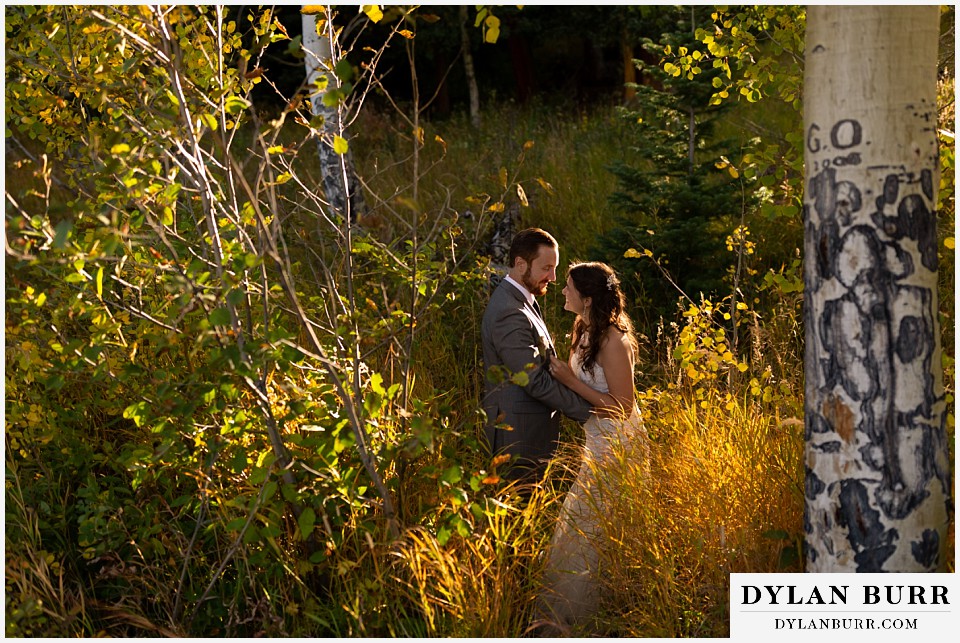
(443, 535)
(307, 521)
(332, 97)
(235, 105)
(295, 47)
(63, 230)
(220, 317)
(136, 412)
(376, 383)
(788, 556)
(343, 69)
(55, 383)
(269, 489)
(452, 475)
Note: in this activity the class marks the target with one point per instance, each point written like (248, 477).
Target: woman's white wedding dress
(571, 587)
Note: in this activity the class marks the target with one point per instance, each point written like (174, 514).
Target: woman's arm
(562, 372)
(614, 358)
(617, 362)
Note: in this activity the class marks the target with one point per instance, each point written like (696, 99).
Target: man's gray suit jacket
(523, 421)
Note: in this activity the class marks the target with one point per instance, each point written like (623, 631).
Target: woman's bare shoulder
(614, 341)
(612, 335)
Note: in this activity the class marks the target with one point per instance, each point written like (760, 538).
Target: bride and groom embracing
(594, 387)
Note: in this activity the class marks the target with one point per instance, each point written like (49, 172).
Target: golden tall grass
(721, 476)
(483, 585)
(717, 489)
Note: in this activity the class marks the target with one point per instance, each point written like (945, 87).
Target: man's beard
(536, 290)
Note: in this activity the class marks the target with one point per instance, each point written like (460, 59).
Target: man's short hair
(527, 244)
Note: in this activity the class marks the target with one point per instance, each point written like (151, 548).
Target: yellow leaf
(406, 33)
(276, 149)
(632, 253)
(528, 145)
(340, 145)
(209, 120)
(496, 207)
(503, 177)
(950, 243)
(441, 141)
(312, 9)
(492, 24)
(120, 148)
(546, 186)
(373, 12)
(500, 459)
(522, 196)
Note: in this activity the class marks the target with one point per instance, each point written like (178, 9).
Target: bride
(600, 369)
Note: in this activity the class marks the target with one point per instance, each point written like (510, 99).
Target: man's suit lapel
(543, 327)
(537, 316)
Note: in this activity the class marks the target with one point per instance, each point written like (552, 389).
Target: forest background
(231, 413)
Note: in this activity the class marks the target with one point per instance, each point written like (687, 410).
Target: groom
(523, 420)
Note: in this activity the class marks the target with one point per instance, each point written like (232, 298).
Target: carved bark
(340, 184)
(878, 491)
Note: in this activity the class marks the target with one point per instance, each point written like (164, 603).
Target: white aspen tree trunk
(339, 178)
(468, 68)
(878, 491)
(344, 197)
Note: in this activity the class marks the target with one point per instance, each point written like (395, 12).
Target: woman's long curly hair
(599, 282)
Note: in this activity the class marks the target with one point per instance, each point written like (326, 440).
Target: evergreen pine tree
(676, 202)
